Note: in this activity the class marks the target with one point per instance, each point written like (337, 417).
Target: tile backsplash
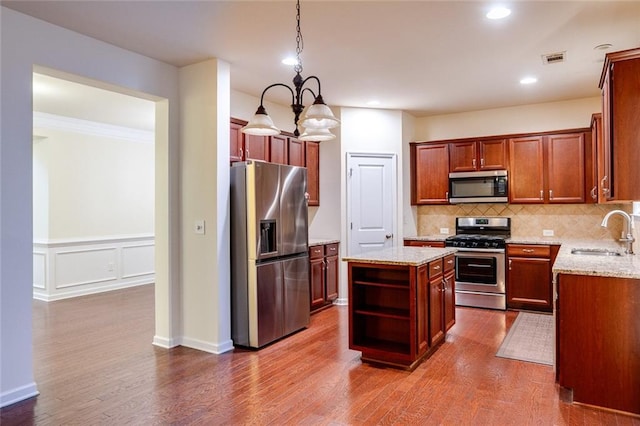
(529, 220)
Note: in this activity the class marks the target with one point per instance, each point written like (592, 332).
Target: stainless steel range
(480, 261)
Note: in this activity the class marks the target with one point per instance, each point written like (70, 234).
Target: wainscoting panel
(70, 268)
(137, 260)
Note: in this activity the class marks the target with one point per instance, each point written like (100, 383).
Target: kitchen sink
(596, 252)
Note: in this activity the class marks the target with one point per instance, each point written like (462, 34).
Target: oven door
(480, 270)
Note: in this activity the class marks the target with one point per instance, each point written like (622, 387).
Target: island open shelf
(398, 299)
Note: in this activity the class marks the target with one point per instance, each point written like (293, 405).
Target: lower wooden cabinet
(323, 275)
(424, 243)
(529, 280)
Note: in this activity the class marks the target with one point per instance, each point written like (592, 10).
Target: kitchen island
(598, 326)
(401, 303)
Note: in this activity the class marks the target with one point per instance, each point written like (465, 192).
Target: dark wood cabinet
(529, 280)
(469, 156)
(598, 340)
(296, 152)
(620, 84)
(592, 159)
(278, 149)
(236, 139)
(547, 169)
(449, 292)
(424, 243)
(312, 162)
(429, 173)
(398, 314)
(281, 149)
(323, 275)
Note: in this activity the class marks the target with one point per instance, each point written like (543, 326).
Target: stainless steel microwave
(479, 187)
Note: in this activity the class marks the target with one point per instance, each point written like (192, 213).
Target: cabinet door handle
(541, 194)
(444, 285)
(450, 261)
(509, 264)
(594, 194)
(482, 162)
(551, 194)
(605, 190)
(436, 267)
(446, 195)
(473, 163)
(528, 250)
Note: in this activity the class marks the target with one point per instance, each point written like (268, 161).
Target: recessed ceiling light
(290, 61)
(603, 46)
(498, 12)
(528, 80)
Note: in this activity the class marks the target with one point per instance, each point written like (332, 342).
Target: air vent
(553, 58)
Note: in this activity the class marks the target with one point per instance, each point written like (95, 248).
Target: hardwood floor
(95, 364)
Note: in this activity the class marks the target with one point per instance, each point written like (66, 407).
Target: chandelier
(316, 118)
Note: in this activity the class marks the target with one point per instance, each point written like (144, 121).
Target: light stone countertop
(321, 241)
(401, 255)
(534, 240)
(625, 266)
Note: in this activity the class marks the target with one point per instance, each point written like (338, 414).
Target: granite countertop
(401, 255)
(434, 237)
(625, 266)
(321, 241)
(554, 241)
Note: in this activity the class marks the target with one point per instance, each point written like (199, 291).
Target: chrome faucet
(629, 238)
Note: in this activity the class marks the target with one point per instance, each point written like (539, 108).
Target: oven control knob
(474, 244)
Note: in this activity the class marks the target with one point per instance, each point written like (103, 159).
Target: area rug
(529, 339)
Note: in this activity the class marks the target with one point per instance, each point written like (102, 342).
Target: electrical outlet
(199, 227)
(444, 231)
(547, 232)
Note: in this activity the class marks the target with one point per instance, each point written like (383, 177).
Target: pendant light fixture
(316, 118)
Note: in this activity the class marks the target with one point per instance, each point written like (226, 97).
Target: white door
(371, 201)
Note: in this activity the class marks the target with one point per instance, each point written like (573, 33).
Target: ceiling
(423, 57)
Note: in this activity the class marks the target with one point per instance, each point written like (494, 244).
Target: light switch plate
(547, 232)
(199, 227)
(444, 231)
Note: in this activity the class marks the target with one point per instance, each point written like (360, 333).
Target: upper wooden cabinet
(547, 169)
(278, 149)
(236, 147)
(620, 84)
(281, 149)
(429, 173)
(296, 152)
(469, 156)
(313, 172)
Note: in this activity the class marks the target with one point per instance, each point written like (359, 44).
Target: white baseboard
(342, 301)
(40, 295)
(18, 394)
(165, 343)
(214, 348)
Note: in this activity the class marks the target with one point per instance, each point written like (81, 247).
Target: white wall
(95, 186)
(29, 44)
(521, 119)
(371, 131)
(204, 118)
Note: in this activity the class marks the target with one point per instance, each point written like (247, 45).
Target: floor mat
(529, 339)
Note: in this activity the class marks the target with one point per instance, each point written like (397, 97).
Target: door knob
(388, 236)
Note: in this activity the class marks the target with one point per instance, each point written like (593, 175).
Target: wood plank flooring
(95, 364)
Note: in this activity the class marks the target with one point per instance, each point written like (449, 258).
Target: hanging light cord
(299, 41)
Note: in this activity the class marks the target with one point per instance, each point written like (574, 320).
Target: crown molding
(93, 128)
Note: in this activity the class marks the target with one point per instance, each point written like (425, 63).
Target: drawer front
(316, 252)
(423, 243)
(331, 249)
(449, 263)
(522, 250)
(435, 268)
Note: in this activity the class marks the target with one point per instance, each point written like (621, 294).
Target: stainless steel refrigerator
(269, 252)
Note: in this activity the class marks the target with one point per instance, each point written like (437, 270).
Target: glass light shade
(316, 135)
(318, 116)
(261, 125)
